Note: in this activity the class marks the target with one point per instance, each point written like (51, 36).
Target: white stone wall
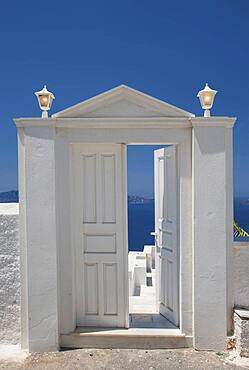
(241, 274)
(9, 275)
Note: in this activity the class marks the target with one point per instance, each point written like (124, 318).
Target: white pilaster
(39, 311)
(212, 230)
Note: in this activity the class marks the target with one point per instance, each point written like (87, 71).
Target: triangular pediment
(122, 101)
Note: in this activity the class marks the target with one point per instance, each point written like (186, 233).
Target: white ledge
(9, 208)
(241, 244)
(106, 122)
(243, 313)
(126, 122)
(213, 121)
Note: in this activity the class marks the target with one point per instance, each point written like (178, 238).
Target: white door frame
(205, 157)
(150, 136)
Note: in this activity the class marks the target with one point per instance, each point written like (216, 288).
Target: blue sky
(140, 169)
(168, 49)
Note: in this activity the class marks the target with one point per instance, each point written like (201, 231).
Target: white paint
(9, 274)
(149, 250)
(44, 173)
(8, 236)
(139, 264)
(39, 304)
(212, 195)
(142, 292)
(98, 216)
(136, 271)
(122, 101)
(9, 208)
(122, 135)
(166, 210)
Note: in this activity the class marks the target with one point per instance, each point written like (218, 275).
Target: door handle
(154, 233)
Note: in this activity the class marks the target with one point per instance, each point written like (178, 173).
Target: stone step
(125, 338)
(147, 291)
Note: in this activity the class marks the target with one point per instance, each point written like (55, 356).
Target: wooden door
(166, 189)
(99, 234)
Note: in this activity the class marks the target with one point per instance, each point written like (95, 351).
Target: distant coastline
(136, 199)
(141, 217)
(12, 196)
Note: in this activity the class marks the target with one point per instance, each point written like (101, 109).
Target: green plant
(238, 231)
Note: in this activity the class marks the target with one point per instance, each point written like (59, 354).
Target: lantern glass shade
(45, 99)
(206, 97)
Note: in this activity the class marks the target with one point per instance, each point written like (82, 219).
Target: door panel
(167, 279)
(98, 220)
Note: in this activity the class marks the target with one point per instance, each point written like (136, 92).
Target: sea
(141, 222)
(140, 225)
(141, 218)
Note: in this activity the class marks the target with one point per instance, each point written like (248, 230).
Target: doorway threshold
(150, 321)
(140, 338)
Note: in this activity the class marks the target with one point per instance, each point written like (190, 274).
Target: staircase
(142, 295)
(148, 329)
(125, 338)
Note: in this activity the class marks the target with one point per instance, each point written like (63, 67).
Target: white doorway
(114, 288)
(126, 116)
(153, 271)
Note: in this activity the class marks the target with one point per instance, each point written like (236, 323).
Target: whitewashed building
(73, 225)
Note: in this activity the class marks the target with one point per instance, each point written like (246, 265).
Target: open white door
(99, 234)
(166, 233)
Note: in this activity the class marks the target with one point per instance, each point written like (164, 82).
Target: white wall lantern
(45, 99)
(206, 97)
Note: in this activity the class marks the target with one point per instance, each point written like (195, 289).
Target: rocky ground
(126, 359)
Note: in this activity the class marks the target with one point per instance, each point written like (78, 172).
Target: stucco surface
(241, 274)
(39, 306)
(210, 236)
(9, 275)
